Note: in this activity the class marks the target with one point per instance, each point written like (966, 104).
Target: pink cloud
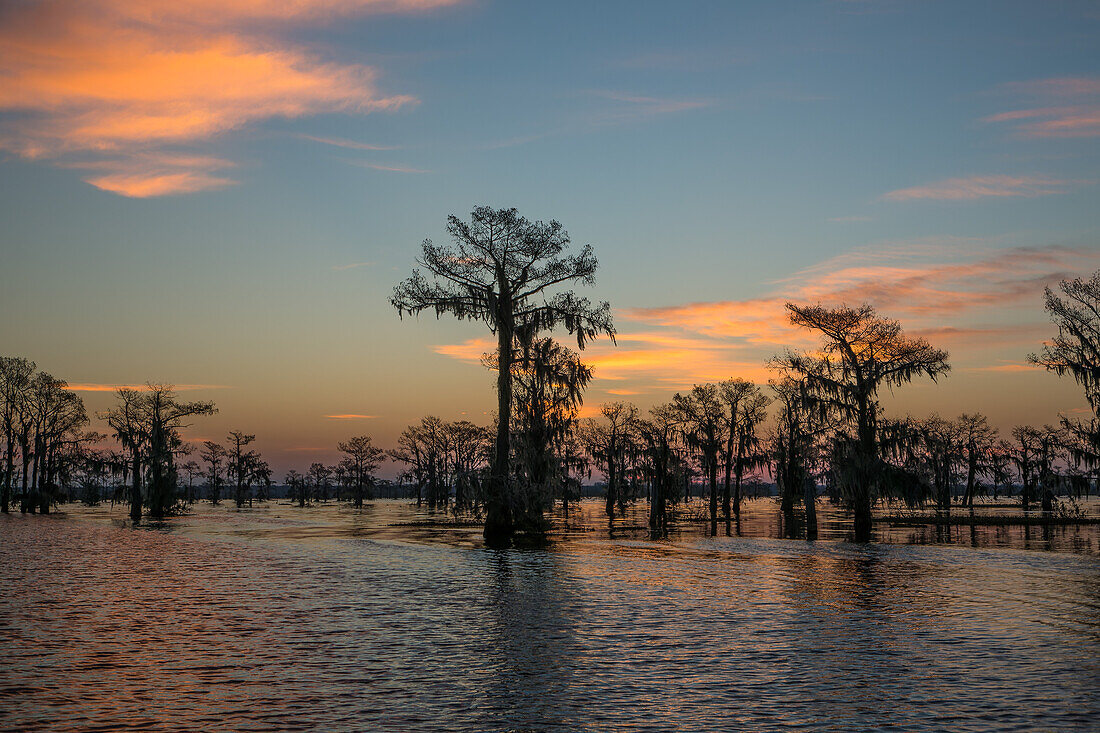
(1069, 107)
(977, 187)
(1064, 86)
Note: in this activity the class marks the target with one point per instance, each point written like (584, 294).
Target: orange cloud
(144, 185)
(469, 351)
(643, 360)
(977, 187)
(1004, 368)
(110, 81)
(673, 347)
(351, 417)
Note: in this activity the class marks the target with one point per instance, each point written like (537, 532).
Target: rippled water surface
(329, 619)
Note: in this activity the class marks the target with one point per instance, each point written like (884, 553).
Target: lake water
(324, 618)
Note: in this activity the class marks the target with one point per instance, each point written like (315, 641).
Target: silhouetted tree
(1000, 467)
(469, 445)
(795, 449)
(610, 444)
(501, 270)
(131, 431)
(15, 382)
(192, 469)
(549, 382)
(317, 477)
(661, 434)
(977, 437)
(410, 452)
(241, 465)
(261, 473)
(745, 408)
(944, 452)
(213, 454)
(298, 486)
(705, 431)
(147, 425)
(363, 459)
(861, 352)
(56, 416)
(1076, 351)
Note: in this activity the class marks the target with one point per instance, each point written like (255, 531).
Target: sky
(222, 195)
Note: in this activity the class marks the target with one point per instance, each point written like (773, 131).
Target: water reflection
(532, 642)
(330, 619)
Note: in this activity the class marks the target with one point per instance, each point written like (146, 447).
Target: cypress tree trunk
(612, 485)
(24, 506)
(9, 469)
(738, 475)
(726, 486)
(498, 510)
(713, 471)
(809, 499)
(135, 489)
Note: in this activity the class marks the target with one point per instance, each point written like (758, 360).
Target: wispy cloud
(351, 266)
(113, 80)
(340, 142)
(389, 168)
(636, 105)
(1003, 368)
(847, 219)
(1061, 107)
(351, 417)
(977, 187)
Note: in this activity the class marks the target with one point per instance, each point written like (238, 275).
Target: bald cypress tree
(861, 352)
(505, 272)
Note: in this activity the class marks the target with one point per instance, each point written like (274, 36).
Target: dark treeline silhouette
(351, 479)
(445, 462)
